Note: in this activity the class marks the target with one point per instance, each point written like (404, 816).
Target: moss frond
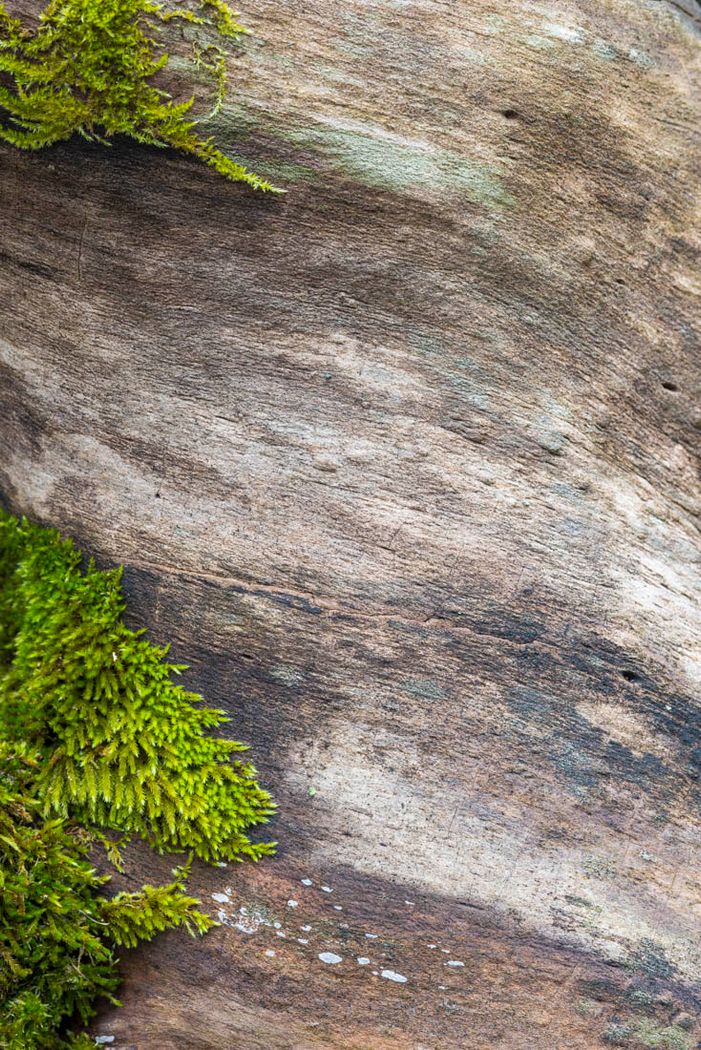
(88, 69)
(95, 737)
(125, 746)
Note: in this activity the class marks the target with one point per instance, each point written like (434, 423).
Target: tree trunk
(403, 465)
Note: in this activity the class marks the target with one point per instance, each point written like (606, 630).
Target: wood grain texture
(405, 465)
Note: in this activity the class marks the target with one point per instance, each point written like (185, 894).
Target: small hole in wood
(670, 386)
(510, 114)
(630, 676)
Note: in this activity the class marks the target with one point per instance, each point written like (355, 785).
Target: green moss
(648, 1033)
(587, 1008)
(89, 68)
(95, 737)
(618, 1034)
(662, 1037)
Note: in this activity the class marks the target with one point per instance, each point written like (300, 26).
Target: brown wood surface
(404, 465)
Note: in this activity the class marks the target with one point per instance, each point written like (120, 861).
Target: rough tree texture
(404, 464)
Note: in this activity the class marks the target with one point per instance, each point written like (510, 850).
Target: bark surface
(404, 464)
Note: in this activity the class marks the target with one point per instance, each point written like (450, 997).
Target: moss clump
(57, 931)
(662, 1037)
(94, 736)
(648, 1033)
(88, 69)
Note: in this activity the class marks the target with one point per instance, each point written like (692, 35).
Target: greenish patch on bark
(374, 157)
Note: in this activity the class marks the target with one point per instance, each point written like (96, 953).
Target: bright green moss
(57, 931)
(88, 69)
(95, 736)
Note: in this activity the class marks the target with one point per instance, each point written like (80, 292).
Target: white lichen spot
(103, 1040)
(222, 917)
(221, 898)
(604, 50)
(390, 975)
(571, 34)
(337, 907)
(270, 953)
(640, 58)
(410, 903)
(277, 925)
(330, 958)
(280, 934)
(220, 864)
(454, 962)
(305, 929)
(371, 936)
(303, 940)
(431, 945)
(363, 960)
(306, 882)
(245, 926)
(292, 904)
(540, 41)
(250, 920)
(326, 889)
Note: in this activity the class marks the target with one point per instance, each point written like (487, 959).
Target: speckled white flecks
(292, 904)
(454, 962)
(250, 920)
(326, 889)
(306, 882)
(330, 958)
(221, 898)
(305, 929)
(390, 975)
(363, 960)
(371, 936)
(303, 940)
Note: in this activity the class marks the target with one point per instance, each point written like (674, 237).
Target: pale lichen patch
(623, 726)
(375, 156)
(391, 975)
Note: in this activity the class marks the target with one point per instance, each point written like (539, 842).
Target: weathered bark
(403, 463)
